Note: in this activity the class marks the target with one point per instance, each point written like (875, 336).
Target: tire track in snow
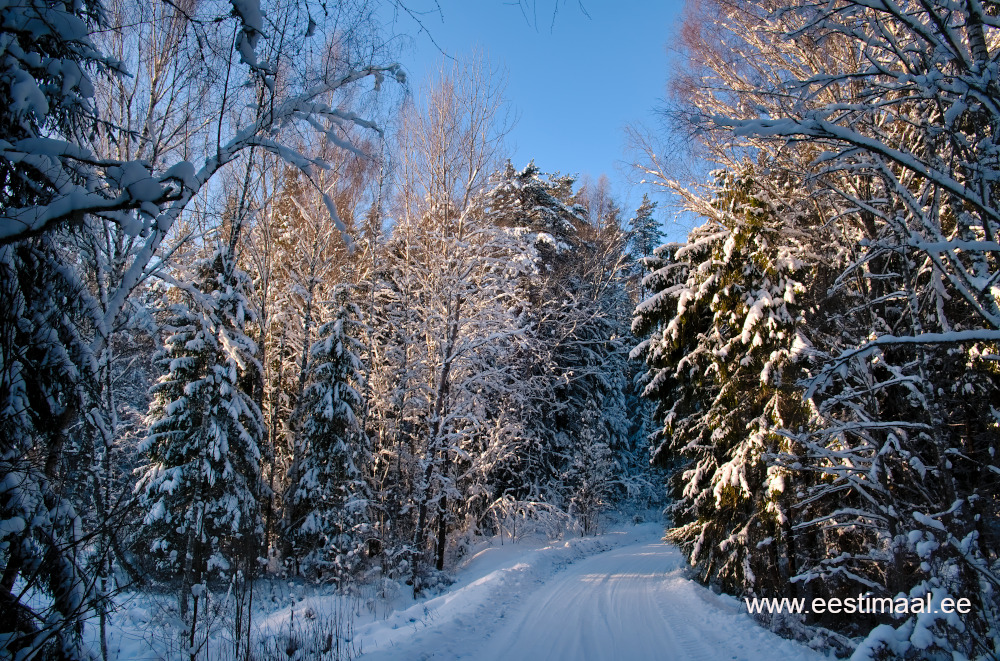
(627, 603)
(604, 607)
(680, 626)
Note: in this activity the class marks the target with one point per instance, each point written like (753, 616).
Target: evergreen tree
(327, 508)
(522, 199)
(46, 383)
(724, 321)
(644, 230)
(47, 368)
(300, 256)
(573, 300)
(46, 92)
(201, 485)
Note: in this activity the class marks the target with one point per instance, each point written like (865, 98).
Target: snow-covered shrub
(311, 636)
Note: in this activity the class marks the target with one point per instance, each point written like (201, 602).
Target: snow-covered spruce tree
(327, 510)
(46, 367)
(602, 280)
(46, 381)
(722, 323)
(533, 211)
(644, 232)
(523, 199)
(201, 485)
(46, 91)
(589, 362)
(644, 236)
(574, 301)
(300, 257)
(904, 115)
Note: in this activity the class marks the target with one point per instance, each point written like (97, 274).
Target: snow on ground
(630, 602)
(621, 595)
(490, 583)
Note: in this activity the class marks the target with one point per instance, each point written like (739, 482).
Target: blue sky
(574, 84)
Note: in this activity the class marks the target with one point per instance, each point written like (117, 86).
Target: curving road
(632, 603)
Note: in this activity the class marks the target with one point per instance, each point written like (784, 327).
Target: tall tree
(302, 258)
(202, 482)
(47, 371)
(574, 300)
(848, 104)
(725, 319)
(447, 289)
(327, 510)
(644, 230)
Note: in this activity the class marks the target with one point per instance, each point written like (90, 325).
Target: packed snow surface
(621, 595)
(576, 600)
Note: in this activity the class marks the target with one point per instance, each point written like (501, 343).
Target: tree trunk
(442, 531)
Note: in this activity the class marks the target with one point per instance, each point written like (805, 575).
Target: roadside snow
(622, 595)
(628, 600)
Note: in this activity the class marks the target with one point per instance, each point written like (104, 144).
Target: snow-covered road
(631, 603)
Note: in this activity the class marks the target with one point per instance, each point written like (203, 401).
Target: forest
(272, 311)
